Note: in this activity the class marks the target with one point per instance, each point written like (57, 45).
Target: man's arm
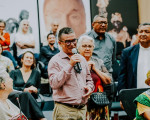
(122, 79)
(58, 76)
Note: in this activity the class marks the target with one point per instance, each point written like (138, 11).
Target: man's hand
(88, 91)
(74, 59)
(20, 44)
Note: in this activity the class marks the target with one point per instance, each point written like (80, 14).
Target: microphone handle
(77, 67)
(19, 106)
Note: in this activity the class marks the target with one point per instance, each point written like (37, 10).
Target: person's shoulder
(35, 71)
(55, 57)
(5, 58)
(110, 36)
(44, 47)
(131, 48)
(7, 34)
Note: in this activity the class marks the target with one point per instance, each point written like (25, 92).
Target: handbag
(97, 100)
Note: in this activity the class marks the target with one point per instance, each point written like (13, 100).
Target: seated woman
(143, 103)
(5, 62)
(5, 42)
(26, 78)
(7, 109)
(99, 73)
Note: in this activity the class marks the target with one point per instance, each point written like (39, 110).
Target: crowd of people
(73, 76)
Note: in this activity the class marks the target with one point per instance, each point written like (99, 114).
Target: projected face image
(68, 14)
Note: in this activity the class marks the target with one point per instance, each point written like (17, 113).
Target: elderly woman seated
(7, 109)
(99, 72)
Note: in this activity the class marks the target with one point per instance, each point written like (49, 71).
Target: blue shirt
(105, 49)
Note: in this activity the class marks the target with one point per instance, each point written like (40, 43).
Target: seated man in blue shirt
(47, 52)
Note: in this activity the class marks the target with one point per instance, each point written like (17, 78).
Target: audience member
(105, 48)
(99, 73)
(135, 61)
(54, 29)
(5, 62)
(26, 78)
(4, 37)
(68, 14)
(24, 40)
(119, 32)
(24, 14)
(47, 52)
(70, 88)
(5, 42)
(105, 45)
(7, 109)
(143, 103)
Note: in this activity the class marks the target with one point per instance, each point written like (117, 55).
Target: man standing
(105, 45)
(135, 61)
(105, 48)
(70, 88)
(47, 52)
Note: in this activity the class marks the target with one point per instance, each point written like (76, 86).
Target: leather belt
(73, 106)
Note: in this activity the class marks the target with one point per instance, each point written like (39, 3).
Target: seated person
(4, 37)
(47, 52)
(5, 42)
(7, 109)
(143, 103)
(99, 73)
(27, 78)
(24, 40)
(5, 62)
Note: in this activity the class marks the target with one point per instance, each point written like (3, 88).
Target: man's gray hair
(96, 16)
(84, 37)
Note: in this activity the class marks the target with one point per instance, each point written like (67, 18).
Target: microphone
(17, 98)
(77, 66)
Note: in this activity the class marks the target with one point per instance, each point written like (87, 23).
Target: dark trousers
(28, 105)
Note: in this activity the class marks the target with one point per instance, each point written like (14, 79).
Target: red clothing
(97, 82)
(6, 42)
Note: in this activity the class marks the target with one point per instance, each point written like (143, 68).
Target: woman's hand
(91, 65)
(31, 89)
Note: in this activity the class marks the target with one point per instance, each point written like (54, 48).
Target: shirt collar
(63, 55)
(96, 35)
(142, 48)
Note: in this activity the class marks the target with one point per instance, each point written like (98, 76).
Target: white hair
(21, 26)
(84, 37)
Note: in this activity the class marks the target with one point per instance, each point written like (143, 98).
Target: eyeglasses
(100, 23)
(68, 42)
(87, 46)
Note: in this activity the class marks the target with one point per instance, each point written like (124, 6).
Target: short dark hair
(143, 24)
(2, 21)
(65, 30)
(34, 61)
(51, 33)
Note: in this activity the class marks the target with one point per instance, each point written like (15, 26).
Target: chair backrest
(127, 96)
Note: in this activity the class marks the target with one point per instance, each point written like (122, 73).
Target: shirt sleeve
(58, 76)
(7, 39)
(142, 108)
